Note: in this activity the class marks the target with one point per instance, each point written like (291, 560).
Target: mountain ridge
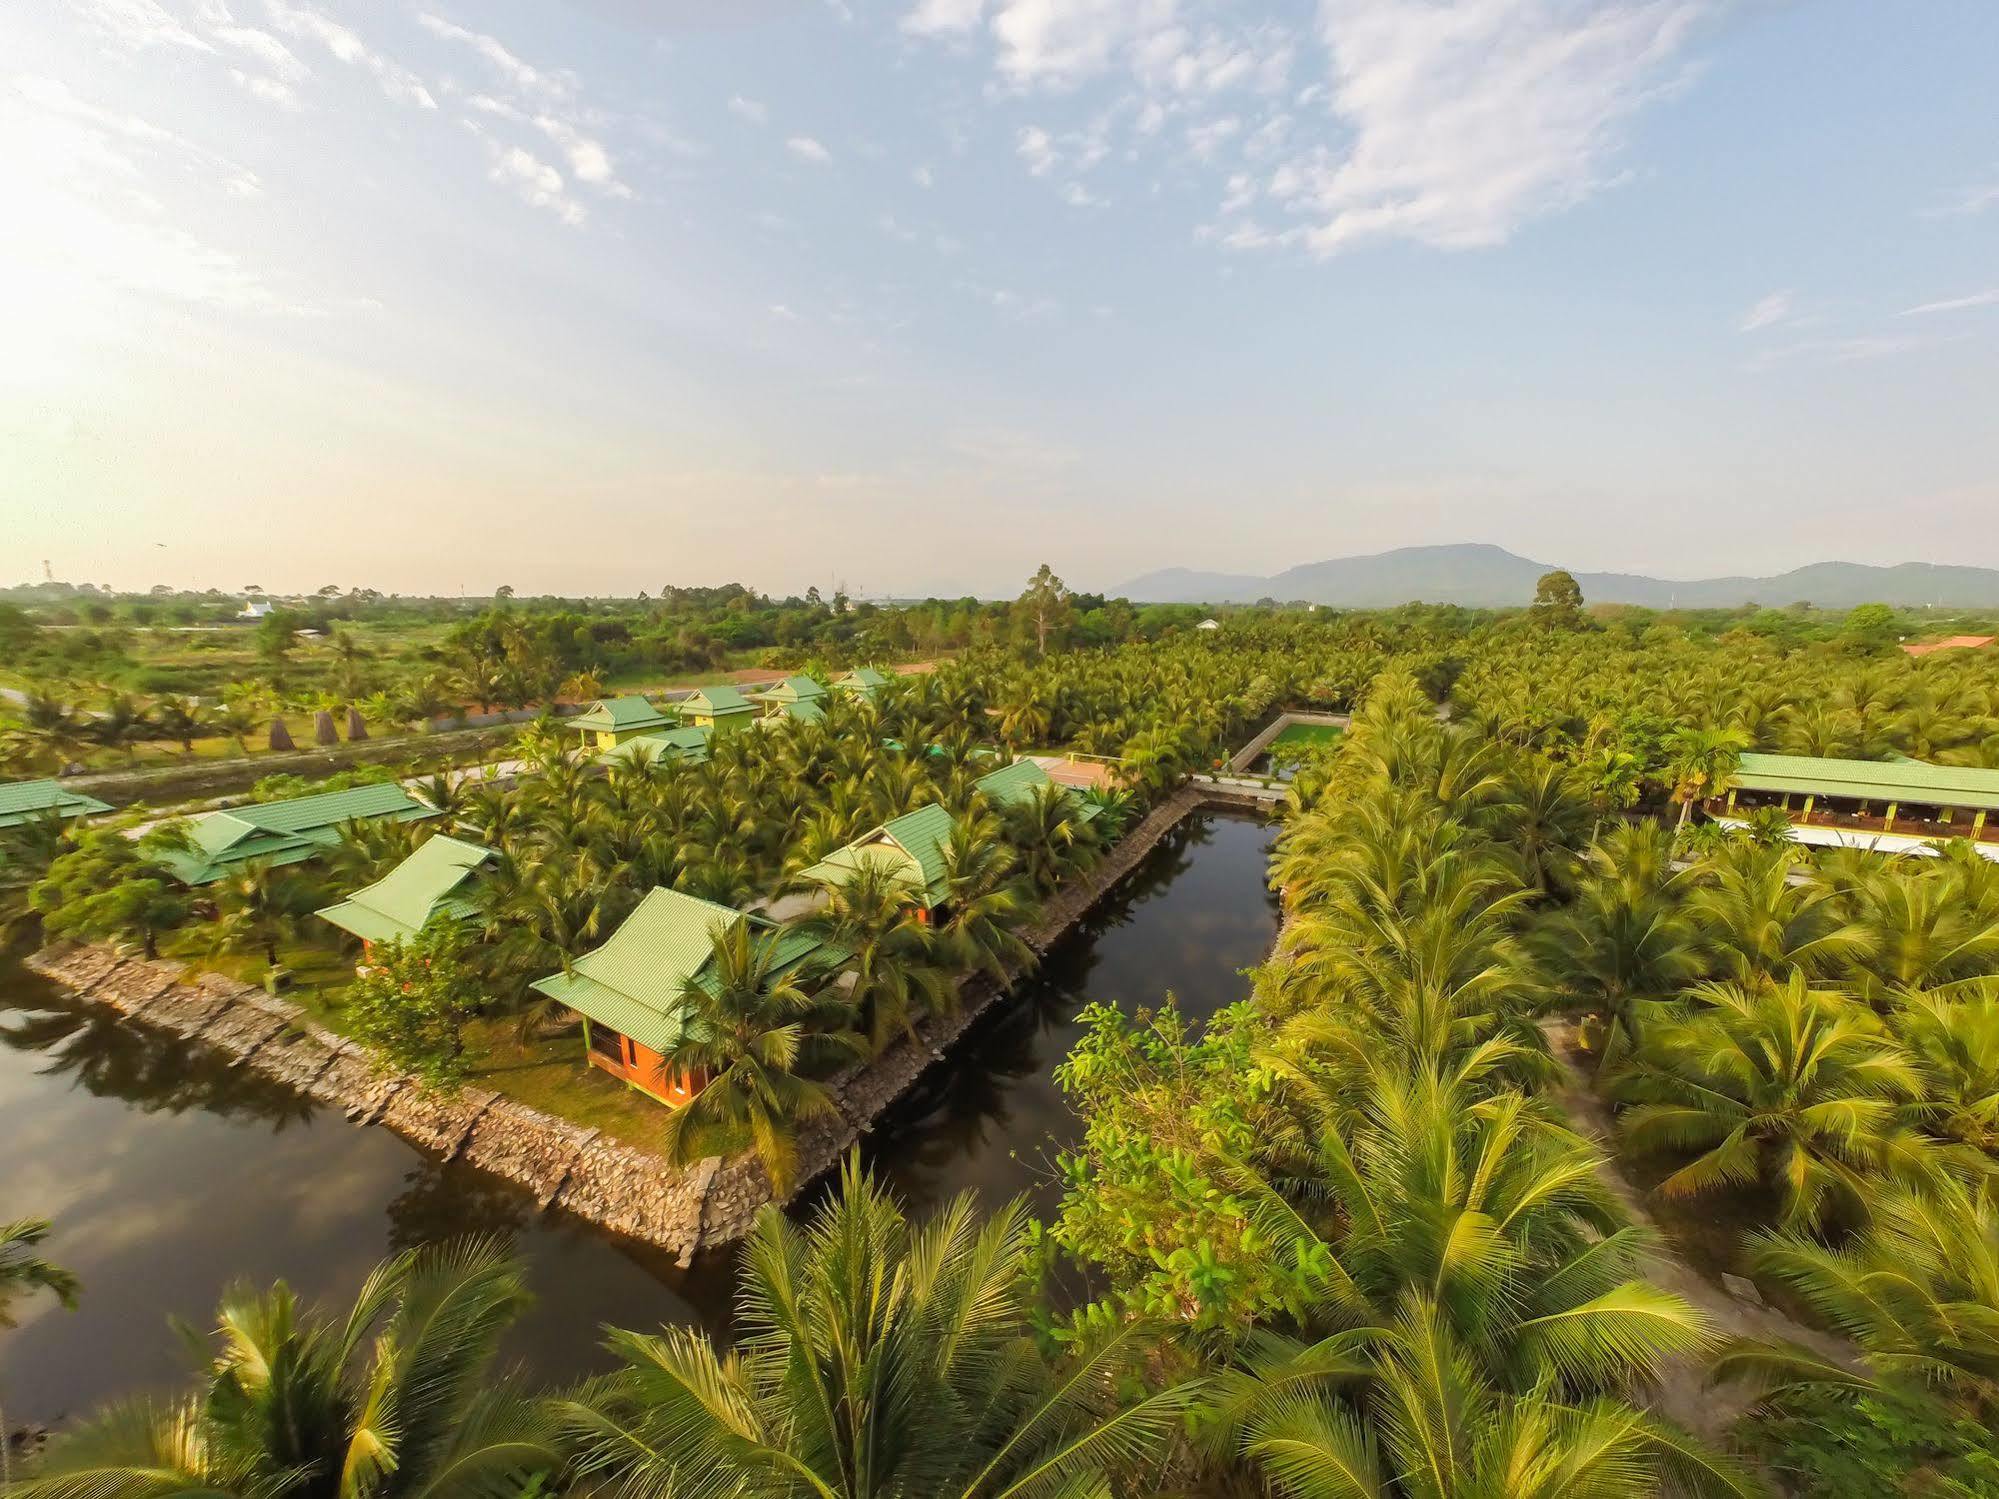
(1481, 575)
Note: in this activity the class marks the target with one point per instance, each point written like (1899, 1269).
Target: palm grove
(1349, 1237)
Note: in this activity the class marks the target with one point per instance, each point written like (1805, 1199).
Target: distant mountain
(1480, 576)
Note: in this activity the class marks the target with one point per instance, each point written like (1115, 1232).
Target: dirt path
(1683, 1394)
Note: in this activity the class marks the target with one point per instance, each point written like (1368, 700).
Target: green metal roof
(1871, 780)
(23, 801)
(912, 846)
(633, 982)
(686, 745)
(806, 710)
(285, 832)
(1016, 784)
(431, 882)
(861, 679)
(715, 702)
(794, 690)
(620, 714)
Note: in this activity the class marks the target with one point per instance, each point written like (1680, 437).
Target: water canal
(169, 1173)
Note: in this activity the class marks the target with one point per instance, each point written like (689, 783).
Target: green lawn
(1305, 735)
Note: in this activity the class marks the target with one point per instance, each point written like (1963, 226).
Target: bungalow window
(607, 1043)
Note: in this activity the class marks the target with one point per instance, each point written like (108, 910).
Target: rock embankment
(619, 1186)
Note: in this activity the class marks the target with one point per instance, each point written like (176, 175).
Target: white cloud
(536, 182)
(1779, 307)
(783, 313)
(278, 59)
(805, 148)
(922, 177)
(523, 75)
(1974, 199)
(588, 160)
(1205, 139)
(1078, 196)
(137, 24)
(270, 90)
(304, 22)
(748, 109)
(1037, 149)
(1955, 304)
(943, 17)
(1448, 122)
(1469, 120)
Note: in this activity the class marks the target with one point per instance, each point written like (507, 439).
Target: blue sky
(600, 295)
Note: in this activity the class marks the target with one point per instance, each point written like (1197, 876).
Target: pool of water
(169, 1173)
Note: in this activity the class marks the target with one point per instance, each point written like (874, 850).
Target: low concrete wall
(1246, 756)
(622, 1187)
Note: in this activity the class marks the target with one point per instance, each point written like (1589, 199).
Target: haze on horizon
(588, 296)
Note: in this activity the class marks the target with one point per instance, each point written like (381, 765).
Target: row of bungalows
(628, 730)
(1891, 806)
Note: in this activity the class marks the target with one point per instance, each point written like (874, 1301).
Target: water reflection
(169, 1173)
(990, 1116)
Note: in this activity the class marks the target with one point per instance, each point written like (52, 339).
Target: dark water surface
(169, 1173)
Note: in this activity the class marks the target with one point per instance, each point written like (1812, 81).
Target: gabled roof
(23, 801)
(285, 832)
(912, 846)
(432, 881)
(686, 744)
(716, 702)
(633, 982)
(861, 679)
(794, 690)
(1016, 784)
(1871, 780)
(805, 710)
(620, 714)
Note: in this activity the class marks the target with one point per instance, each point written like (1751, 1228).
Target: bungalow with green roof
(286, 832)
(25, 801)
(1017, 784)
(720, 710)
(801, 698)
(610, 721)
(1895, 805)
(629, 990)
(862, 682)
(684, 745)
(437, 879)
(911, 847)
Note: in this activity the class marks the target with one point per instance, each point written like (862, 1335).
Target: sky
(594, 296)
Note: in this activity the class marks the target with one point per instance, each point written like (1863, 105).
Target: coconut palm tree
(1700, 763)
(399, 1398)
(874, 1359)
(1798, 1089)
(1916, 1290)
(260, 905)
(1956, 1043)
(895, 961)
(755, 1031)
(986, 902)
(23, 1271)
(1759, 923)
(1048, 831)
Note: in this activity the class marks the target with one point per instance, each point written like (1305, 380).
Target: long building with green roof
(1884, 804)
(791, 692)
(630, 991)
(436, 880)
(611, 721)
(286, 832)
(25, 801)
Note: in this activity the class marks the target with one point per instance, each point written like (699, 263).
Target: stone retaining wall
(621, 1187)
